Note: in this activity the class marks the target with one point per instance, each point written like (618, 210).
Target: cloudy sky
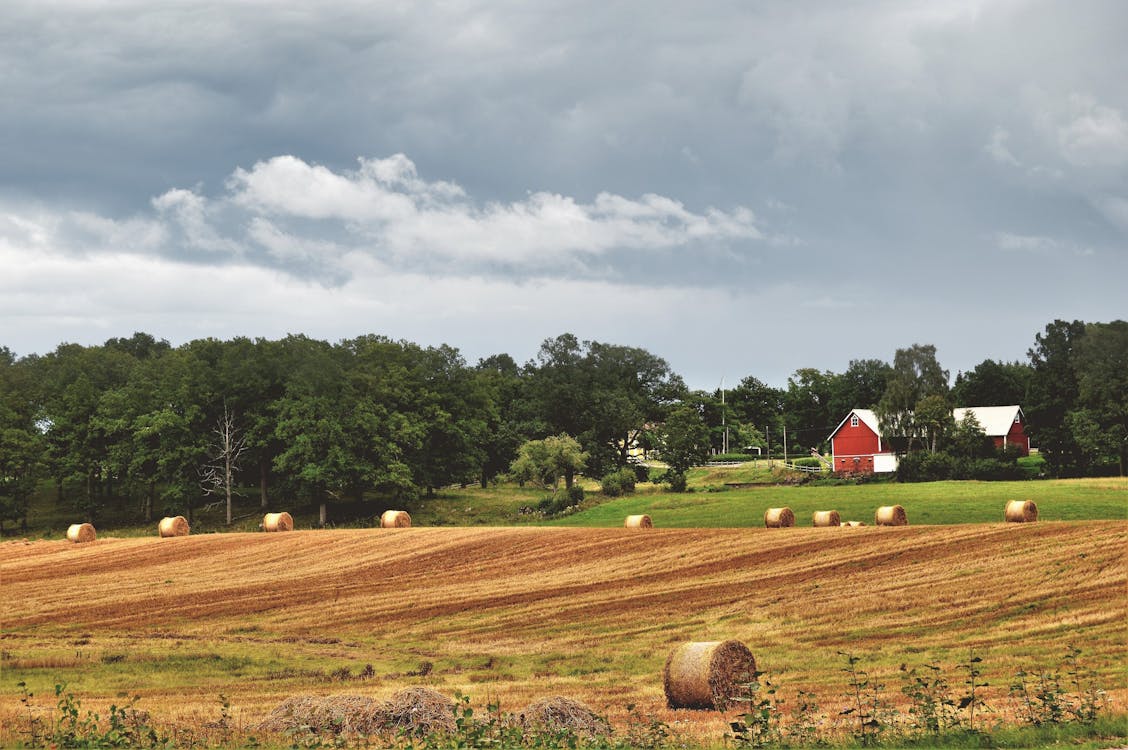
(743, 188)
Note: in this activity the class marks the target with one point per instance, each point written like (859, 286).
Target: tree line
(136, 422)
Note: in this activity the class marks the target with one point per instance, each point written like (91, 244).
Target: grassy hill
(515, 614)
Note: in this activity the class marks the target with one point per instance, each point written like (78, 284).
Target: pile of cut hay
(278, 522)
(417, 711)
(853, 524)
(559, 715)
(420, 711)
(826, 518)
(1021, 511)
(638, 522)
(778, 518)
(395, 519)
(328, 714)
(81, 532)
(707, 675)
(173, 526)
(890, 515)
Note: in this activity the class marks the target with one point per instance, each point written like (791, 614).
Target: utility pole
(785, 442)
(724, 425)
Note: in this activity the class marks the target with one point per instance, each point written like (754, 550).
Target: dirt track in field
(588, 612)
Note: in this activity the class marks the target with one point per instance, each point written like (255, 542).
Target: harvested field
(527, 613)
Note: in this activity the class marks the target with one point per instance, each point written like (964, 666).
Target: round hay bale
(81, 532)
(778, 518)
(890, 515)
(395, 519)
(173, 526)
(558, 714)
(1021, 511)
(278, 522)
(825, 518)
(638, 522)
(707, 674)
(853, 524)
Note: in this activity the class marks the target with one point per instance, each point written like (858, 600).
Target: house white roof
(995, 420)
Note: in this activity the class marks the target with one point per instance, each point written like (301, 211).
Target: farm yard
(214, 624)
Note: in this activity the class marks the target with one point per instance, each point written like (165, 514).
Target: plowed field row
(522, 613)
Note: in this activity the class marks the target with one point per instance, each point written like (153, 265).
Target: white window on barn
(1017, 419)
(853, 420)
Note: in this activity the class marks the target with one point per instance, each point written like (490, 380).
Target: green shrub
(620, 482)
(575, 494)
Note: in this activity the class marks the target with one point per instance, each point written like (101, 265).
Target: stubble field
(517, 614)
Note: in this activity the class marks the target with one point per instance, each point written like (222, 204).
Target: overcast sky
(743, 188)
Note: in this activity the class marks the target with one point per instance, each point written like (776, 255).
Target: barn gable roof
(996, 421)
(867, 417)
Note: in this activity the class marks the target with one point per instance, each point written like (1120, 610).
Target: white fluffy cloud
(291, 215)
(386, 205)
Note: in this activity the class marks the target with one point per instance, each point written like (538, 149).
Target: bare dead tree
(230, 444)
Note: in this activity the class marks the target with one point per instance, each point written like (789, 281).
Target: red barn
(857, 446)
(1003, 424)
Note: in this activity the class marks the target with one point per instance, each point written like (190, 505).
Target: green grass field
(728, 496)
(925, 503)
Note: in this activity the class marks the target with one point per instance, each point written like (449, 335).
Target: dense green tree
(684, 444)
(509, 417)
(807, 407)
(967, 439)
(993, 383)
(758, 406)
(21, 443)
(1100, 421)
(604, 394)
(860, 387)
(545, 462)
(1053, 394)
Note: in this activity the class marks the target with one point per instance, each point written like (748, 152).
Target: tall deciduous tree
(685, 443)
(916, 374)
(1100, 422)
(1053, 394)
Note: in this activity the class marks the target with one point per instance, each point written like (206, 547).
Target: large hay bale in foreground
(638, 522)
(707, 674)
(81, 532)
(395, 519)
(825, 518)
(326, 714)
(173, 526)
(278, 522)
(778, 518)
(890, 515)
(559, 714)
(419, 711)
(1021, 511)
